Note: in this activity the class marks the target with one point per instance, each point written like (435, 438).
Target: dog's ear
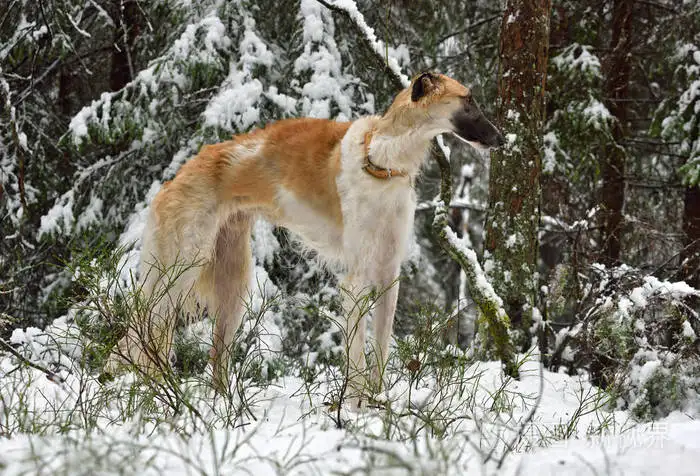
(423, 85)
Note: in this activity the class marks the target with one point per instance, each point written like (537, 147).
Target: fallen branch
(53, 376)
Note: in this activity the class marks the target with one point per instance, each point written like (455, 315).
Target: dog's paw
(114, 366)
(105, 377)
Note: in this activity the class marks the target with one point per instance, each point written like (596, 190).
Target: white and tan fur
(305, 175)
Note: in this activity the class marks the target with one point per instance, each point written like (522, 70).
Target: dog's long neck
(402, 150)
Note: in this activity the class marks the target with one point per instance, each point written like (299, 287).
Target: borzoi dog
(345, 188)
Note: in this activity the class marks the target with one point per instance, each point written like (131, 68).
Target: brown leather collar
(375, 170)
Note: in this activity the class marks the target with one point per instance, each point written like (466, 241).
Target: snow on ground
(671, 446)
(454, 420)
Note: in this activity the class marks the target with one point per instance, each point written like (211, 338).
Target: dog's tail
(196, 250)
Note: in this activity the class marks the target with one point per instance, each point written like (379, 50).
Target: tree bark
(617, 76)
(514, 186)
(690, 257)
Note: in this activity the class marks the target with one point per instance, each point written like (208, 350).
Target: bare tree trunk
(690, 258)
(514, 187)
(617, 76)
(126, 31)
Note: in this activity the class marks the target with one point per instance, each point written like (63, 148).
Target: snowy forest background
(101, 101)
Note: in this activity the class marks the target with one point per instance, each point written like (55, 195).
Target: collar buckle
(375, 170)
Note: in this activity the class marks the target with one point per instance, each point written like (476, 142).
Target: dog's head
(441, 105)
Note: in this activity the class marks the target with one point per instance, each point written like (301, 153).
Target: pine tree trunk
(514, 187)
(690, 257)
(617, 76)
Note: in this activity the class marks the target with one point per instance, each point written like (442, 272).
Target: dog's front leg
(364, 292)
(383, 316)
(386, 285)
(356, 305)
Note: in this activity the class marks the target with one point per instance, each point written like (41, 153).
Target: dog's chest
(378, 216)
(380, 207)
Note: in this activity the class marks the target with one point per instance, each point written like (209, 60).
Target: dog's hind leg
(227, 280)
(167, 276)
(178, 244)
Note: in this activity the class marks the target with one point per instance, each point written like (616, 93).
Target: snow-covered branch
(494, 322)
(349, 10)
